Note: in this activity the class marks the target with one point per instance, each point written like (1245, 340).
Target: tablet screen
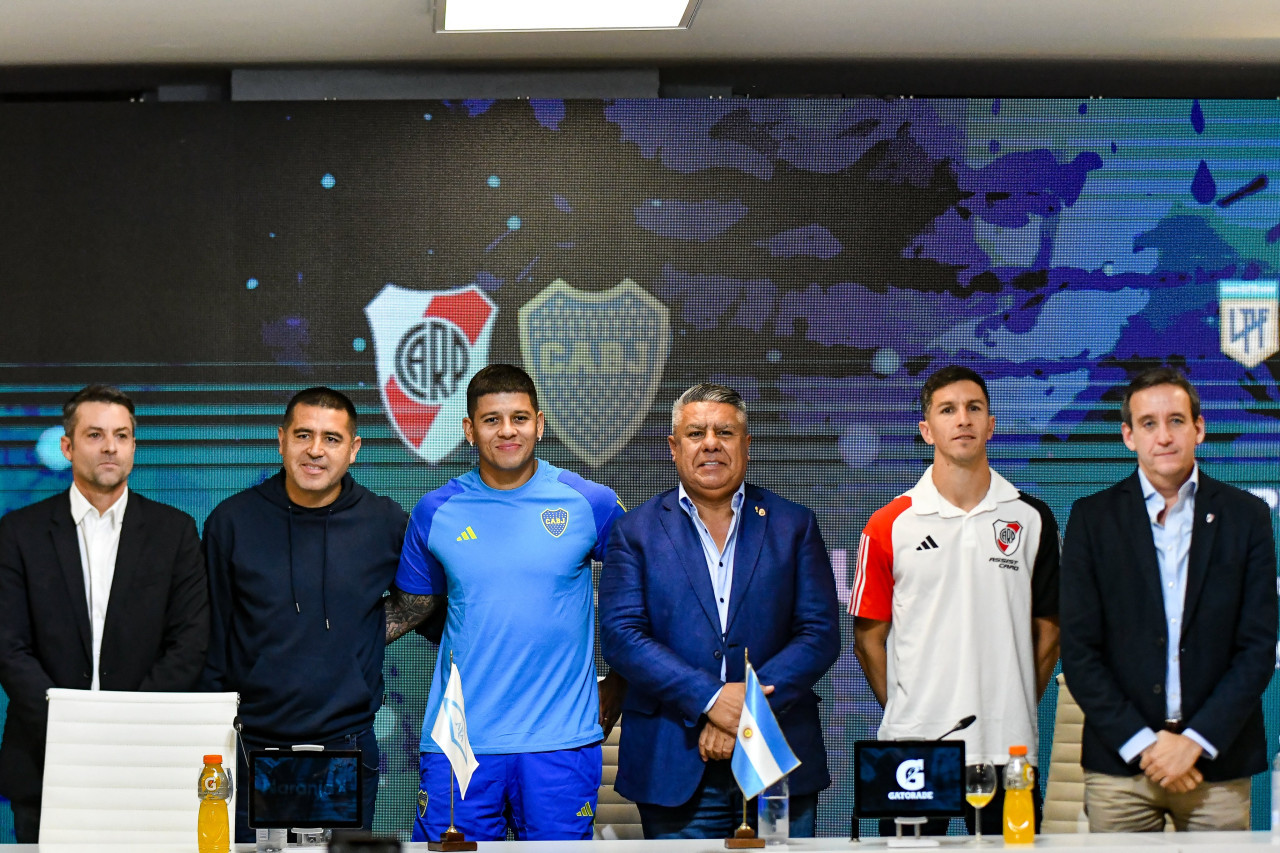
(909, 778)
(319, 789)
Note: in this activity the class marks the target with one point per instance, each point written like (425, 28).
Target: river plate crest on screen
(429, 343)
(597, 358)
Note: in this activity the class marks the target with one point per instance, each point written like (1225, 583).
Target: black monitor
(908, 778)
(305, 788)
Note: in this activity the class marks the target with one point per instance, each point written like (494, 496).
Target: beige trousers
(1136, 804)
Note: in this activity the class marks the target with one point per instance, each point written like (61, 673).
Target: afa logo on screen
(597, 358)
(428, 346)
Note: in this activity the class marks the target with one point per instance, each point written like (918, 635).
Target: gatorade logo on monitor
(911, 778)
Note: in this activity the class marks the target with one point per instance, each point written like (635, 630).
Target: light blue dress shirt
(719, 563)
(1173, 547)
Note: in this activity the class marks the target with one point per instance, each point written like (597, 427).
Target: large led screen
(821, 256)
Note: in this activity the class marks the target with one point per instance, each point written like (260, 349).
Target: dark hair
(1158, 376)
(499, 379)
(950, 375)
(708, 392)
(324, 398)
(95, 394)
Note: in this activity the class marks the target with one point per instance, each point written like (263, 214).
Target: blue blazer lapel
(688, 551)
(65, 545)
(1204, 528)
(1141, 542)
(751, 529)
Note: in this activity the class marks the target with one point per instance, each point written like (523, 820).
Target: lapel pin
(1208, 519)
(760, 511)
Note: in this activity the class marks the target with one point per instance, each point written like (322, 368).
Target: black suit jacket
(156, 631)
(1114, 635)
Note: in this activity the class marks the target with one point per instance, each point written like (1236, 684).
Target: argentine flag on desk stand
(450, 732)
(761, 756)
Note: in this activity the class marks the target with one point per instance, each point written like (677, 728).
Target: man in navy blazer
(694, 578)
(1169, 627)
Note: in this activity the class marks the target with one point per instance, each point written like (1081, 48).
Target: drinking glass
(979, 788)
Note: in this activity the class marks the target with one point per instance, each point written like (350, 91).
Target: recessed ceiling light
(461, 16)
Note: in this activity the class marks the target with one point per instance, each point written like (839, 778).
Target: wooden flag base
(450, 841)
(744, 838)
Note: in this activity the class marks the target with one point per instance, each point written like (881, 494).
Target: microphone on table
(959, 727)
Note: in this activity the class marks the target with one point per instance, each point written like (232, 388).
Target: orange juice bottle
(213, 834)
(1019, 808)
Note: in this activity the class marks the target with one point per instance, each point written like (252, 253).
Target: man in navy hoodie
(297, 570)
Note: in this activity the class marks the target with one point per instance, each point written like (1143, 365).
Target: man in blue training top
(510, 545)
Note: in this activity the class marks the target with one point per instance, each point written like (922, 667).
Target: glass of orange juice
(979, 788)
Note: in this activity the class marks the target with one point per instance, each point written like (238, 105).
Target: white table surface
(1165, 842)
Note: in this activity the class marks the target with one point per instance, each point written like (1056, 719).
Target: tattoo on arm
(406, 612)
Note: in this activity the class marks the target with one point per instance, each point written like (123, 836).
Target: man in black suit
(100, 589)
(1169, 627)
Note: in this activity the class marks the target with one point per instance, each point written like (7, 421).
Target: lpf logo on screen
(1249, 328)
(910, 778)
(428, 346)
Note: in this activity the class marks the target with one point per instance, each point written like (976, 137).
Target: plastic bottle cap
(217, 759)
(1018, 750)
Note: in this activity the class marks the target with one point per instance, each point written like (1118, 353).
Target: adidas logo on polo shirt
(927, 545)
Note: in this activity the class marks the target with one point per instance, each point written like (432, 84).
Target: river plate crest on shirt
(1008, 536)
(597, 358)
(428, 346)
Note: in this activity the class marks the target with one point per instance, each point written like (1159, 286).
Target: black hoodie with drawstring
(297, 625)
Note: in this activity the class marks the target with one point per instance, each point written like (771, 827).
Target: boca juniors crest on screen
(597, 359)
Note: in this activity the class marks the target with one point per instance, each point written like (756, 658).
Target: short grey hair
(707, 392)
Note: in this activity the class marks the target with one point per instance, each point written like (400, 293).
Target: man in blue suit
(694, 578)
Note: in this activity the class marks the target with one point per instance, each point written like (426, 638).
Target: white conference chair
(122, 767)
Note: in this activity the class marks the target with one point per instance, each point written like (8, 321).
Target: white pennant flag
(450, 731)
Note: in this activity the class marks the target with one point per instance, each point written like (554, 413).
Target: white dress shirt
(99, 539)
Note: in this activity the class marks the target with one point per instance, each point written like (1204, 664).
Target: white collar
(926, 500)
(80, 507)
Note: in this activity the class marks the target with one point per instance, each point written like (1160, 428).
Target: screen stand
(915, 840)
(310, 837)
